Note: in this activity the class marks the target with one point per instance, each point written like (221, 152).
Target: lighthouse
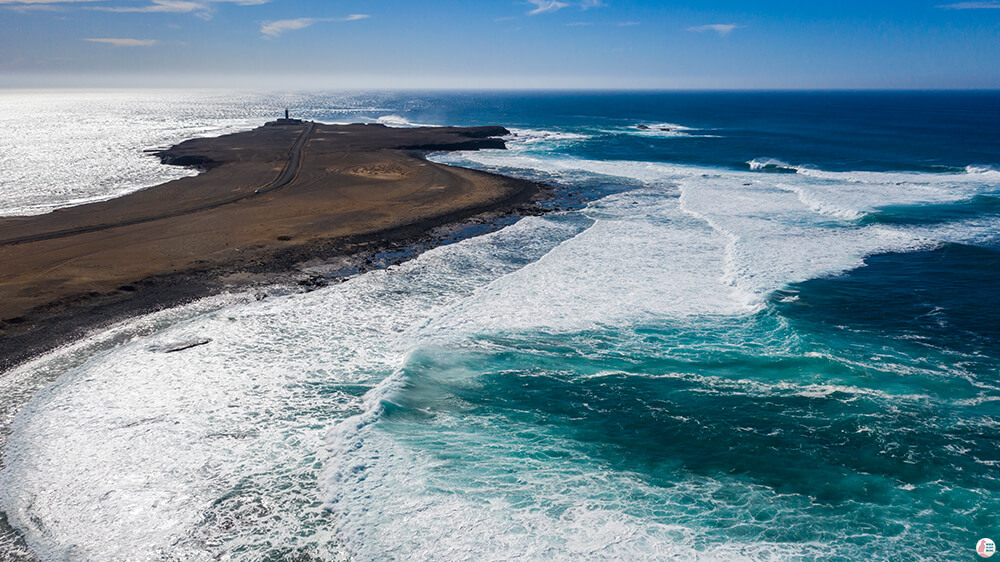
(286, 121)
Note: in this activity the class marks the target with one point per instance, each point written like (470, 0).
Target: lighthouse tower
(286, 121)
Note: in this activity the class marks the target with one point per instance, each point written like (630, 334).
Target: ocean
(754, 326)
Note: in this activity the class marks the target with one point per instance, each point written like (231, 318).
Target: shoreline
(324, 257)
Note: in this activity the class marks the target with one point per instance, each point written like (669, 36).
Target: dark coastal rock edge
(61, 323)
(203, 154)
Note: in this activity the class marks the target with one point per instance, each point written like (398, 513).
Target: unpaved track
(287, 175)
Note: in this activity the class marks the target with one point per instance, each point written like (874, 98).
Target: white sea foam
(853, 194)
(822, 203)
(914, 180)
(394, 501)
(135, 455)
(394, 120)
(985, 170)
(779, 229)
(661, 130)
(641, 257)
(570, 169)
(916, 186)
(774, 240)
(758, 164)
(539, 136)
(664, 125)
(449, 486)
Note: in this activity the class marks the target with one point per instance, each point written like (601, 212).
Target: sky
(501, 44)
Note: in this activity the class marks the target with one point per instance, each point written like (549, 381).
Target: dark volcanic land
(267, 201)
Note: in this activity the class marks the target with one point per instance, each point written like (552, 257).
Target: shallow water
(751, 336)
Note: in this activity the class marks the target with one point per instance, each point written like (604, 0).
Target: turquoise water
(755, 326)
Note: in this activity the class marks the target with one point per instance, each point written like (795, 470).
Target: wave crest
(771, 165)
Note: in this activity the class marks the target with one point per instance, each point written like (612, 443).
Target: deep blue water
(755, 326)
(856, 412)
(837, 131)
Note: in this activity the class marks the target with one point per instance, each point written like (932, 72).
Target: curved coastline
(270, 205)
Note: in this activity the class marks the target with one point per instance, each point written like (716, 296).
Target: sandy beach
(268, 199)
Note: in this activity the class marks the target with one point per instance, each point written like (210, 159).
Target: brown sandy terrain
(270, 197)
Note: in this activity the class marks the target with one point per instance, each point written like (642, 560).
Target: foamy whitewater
(724, 343)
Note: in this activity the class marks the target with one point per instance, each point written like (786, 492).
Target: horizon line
(507, 89)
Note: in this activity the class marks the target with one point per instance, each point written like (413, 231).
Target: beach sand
(268, 200)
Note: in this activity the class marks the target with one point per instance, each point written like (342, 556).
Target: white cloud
(972, 6)
(272, 29)
(201, 8)
(24, 6)
(156, 6)
(276, 28)
(546, 6)
(549, 6)
(168, 6)
(43, 1)
(722, 29)
(119, 42)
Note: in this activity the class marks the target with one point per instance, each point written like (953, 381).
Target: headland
(267, 201)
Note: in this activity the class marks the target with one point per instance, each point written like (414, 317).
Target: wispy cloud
(276, 28)
(201, 8)
(121, 42)
(722, 29)
(23, 6)
(972, 6)
(167, 6)
(549, 6)
(627, 23)
(273, 29)
(37, 2)
(546, 6)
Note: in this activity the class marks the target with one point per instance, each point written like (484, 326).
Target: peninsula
(267, 199)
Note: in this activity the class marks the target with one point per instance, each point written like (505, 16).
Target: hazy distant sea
(762, 326)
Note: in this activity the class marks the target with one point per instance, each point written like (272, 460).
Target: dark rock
(181, 346)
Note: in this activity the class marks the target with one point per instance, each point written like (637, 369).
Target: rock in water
(181, 346)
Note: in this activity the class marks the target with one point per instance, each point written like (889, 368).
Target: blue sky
(618, 44)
